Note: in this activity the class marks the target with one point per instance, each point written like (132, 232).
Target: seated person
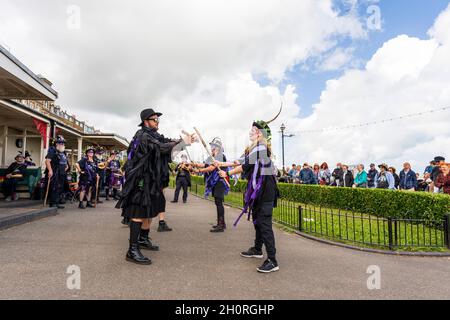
(14, 174)
(28, 161)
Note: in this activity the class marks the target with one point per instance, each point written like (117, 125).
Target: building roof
(19, 82)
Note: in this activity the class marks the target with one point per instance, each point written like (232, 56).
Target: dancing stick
(96, 193)
(46, 193)
(209, 153)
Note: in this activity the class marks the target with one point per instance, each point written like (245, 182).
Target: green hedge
(383, 203)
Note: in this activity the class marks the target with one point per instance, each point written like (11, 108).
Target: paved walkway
(195, 264)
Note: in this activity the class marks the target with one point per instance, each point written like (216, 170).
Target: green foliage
(382, 203)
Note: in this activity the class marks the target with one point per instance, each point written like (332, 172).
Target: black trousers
(9, 187)
(263, 227)
(181, 183)
(56, 188)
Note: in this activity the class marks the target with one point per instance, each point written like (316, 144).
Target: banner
(41, 126)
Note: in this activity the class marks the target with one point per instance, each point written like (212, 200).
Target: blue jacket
(408, 180)
(307, 176)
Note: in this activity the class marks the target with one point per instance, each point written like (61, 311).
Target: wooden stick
(46, 192)
(96, 193)
(209, 153)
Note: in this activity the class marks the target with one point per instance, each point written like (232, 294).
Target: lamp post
(283, 128)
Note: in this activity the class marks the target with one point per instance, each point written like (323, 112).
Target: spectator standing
(408, 178)
(307, 175)
(337, 175)
(393, 171)
(438, 162)
(443, 180)
(347, 177)
(324, 175)
(371, 174)
(360, 178)
(384, 179)
(316, 171)
(292, 172)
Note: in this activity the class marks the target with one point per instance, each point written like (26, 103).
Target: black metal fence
(347, 226)
(364, 229)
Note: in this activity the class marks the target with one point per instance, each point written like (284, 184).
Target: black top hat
(147, 113)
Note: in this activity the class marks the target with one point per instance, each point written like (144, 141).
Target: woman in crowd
(324, 175)
(316, 171)
(393, 171)
(443, 180)
(360, 178)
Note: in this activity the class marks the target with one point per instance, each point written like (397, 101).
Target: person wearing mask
(360, 178)
(56, 163)
(408, 178)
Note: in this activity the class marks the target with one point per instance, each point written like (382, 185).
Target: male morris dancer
(142, 195)
(261, 193)
(113, 176)
(56, 164)
(216, 185)
(183, 179)
(101, 171)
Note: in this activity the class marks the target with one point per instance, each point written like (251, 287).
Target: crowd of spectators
(435, 178)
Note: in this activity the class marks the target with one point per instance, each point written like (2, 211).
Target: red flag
(41, 126)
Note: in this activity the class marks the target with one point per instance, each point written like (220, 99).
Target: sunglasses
(154, 119)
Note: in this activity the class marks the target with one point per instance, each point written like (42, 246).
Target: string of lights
(372, 123)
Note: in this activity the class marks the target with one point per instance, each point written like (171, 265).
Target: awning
(18, 82)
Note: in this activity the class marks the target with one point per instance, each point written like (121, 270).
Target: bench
(29, 182)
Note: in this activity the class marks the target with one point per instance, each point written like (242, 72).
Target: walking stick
(46, 192)
(96, 192)
(209, 153)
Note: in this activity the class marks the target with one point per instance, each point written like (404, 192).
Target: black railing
(346, 226)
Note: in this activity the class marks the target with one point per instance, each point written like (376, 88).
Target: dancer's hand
(223, 174)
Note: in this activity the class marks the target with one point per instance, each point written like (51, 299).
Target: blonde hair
(262, 140)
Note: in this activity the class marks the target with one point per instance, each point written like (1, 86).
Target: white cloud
(406, 75)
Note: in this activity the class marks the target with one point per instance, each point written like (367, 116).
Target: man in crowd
(346, 179)
(337, 175)
(371, 174)
(408, 178)
(14, 174)
(307, 175)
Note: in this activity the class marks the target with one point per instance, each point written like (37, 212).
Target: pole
(282, 147)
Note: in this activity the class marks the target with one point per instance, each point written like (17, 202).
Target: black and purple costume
(88, 178)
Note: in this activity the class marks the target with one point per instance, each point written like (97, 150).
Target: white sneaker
(8, 199)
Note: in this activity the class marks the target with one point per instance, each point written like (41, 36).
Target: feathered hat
(264, 125)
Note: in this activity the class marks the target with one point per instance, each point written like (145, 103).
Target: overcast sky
(220, 64)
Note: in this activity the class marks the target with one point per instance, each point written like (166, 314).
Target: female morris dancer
(261, 193)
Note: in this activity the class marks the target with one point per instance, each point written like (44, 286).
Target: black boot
(81, 205)
(134, 254)
(107, 195)
(145, 242)
(89, 205)
(56, 205)
(220, 227)
(115, 196)
(163, 227)
(125, 221)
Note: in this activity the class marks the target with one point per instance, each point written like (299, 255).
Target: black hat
(19, 154)
(60, 140)
(439, 159)
(27, 154)
(147, 113)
